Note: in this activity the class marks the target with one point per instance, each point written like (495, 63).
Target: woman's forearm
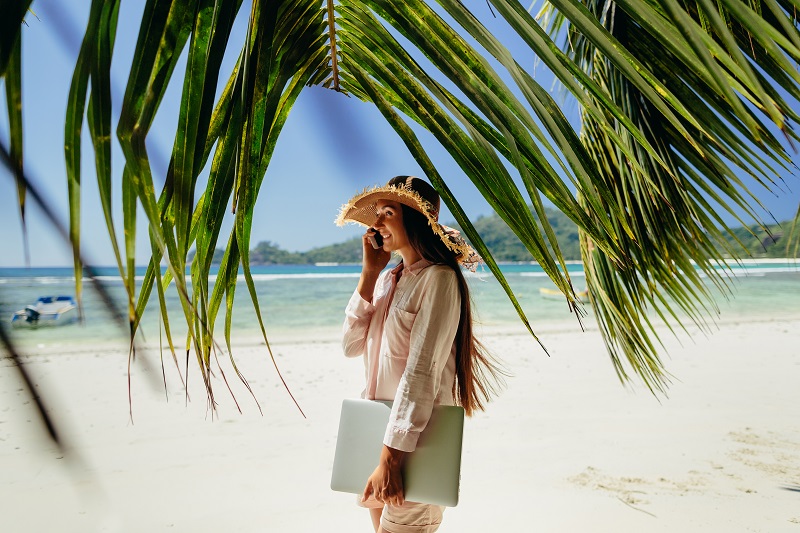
(366, 284)
(392, 458)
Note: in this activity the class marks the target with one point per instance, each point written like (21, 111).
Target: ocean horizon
(298, 301)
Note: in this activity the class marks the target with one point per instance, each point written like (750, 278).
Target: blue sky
(331, 147)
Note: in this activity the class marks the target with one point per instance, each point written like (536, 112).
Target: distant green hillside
(762, 244)
(501, 241)
(506, 247)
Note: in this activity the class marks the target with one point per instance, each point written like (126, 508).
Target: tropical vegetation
(748, 242)
(687, 115)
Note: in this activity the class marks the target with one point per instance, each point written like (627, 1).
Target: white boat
(47, 311)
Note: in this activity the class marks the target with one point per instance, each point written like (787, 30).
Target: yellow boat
(555, 294)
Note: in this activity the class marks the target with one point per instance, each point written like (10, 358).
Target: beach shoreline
(564, 448)
(154, 341)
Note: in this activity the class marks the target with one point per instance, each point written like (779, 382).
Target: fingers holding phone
(375, 238)
(375, 257)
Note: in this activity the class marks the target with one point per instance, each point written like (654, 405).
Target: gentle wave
(49, 280)
(309, 275)
(256, 277)
(44, 280)
(746, 267)
(572, 274)
(764, 261)
(736, 271)
(758, 271)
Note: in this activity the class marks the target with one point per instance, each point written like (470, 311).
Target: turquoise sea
(307, 302)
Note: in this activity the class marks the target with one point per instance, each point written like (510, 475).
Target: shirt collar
(411, 269)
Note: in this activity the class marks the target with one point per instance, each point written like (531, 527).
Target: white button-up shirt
(406, 335)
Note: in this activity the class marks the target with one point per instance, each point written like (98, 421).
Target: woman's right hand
(374, 260)
(386, 482)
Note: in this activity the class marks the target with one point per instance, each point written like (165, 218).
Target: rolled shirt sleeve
(431, 343)
(357, 317)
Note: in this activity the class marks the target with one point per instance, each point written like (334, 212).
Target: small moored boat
(555, 294)
(47, 311)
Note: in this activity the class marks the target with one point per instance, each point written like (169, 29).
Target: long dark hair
(478, 375)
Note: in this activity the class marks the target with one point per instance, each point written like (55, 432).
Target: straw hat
(418, 195)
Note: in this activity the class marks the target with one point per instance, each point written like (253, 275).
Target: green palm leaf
(675, 226)
(10, 31)
(11, 65)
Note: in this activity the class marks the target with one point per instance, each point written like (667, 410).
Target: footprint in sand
(635, 491)
(771, 453)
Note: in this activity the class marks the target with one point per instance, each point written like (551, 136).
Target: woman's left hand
(386, 482)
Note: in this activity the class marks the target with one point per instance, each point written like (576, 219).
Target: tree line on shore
(750, 241)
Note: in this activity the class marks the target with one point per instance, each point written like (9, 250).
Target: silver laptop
(431, 474)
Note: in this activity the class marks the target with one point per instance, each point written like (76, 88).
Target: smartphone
(375, 239)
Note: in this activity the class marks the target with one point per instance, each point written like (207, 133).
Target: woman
(413, 326)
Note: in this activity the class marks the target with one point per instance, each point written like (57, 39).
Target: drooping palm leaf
(211, 30)
(362, 34)
(675, 221)
(289, 47)
(73, 128)
(10, 29)
(12, 68)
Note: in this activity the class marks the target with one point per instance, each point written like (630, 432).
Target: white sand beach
(566, 448)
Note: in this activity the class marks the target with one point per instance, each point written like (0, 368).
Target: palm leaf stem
(332, 40)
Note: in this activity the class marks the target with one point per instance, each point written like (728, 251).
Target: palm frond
(11, 68)
(10, 30)
(674, 214)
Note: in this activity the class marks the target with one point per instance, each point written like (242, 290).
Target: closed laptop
(431, 474)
